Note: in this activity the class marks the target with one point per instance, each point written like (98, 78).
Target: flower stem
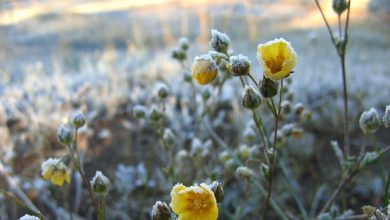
(102, 208)
(273, 159)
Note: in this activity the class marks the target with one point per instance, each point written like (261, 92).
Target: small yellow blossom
(55, 171)
(278, 58)
(194, 203)
(204, 69)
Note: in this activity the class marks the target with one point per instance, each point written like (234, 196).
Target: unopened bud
(339, 6)
(187, 77)
(298, 108)
(251, 99)
(168, 137)
(161, 211)
(162, 90)
(183, 43)
(65, 134)
(369, 121)
(224, 156)
(297, 132)
(241, 65)
(244, 172)
(155, 114)
(306, 115)
(179, 54)
(206, 94)
(386, 118)
(78, 120)
(219, 41)
(139, 111)
(250, 135)
(286, 107)
(217, 189)
(268, 87)
(100, 183)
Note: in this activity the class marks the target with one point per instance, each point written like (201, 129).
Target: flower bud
(339, 6)
(268, 87)
(241, 65)
(244, 172)
(168, 137)
(286, 107)
(161, 211)
(217, 189)
(187, 77)
(206, 94)
(139, 111)
(155, 113)
(183, 43)
(204, 69)
(65, 134)
(306, 115)
(179, 54)
(386, 117)
(162, 90)
(219, 41)
(250, 135)
(298, 108)
(224, 156)
(100, 183)
(230, 164)
(243, 152)
(297, 132)
(369, 121)
(251, 99)
(78, 120)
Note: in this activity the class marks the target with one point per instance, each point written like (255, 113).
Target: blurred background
(56, 54)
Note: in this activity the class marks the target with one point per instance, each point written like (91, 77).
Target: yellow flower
(55, 171)
(204, 69)
(278, 58)
(194, 203)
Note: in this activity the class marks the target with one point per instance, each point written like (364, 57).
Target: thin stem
(326, 22)
(273, 159)
(102, 208)
(22, 204)
(242, 81)
(339, 24)
(253, 80)
(387, 191)
(259, 125)
(345, 97)
(77, 164)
